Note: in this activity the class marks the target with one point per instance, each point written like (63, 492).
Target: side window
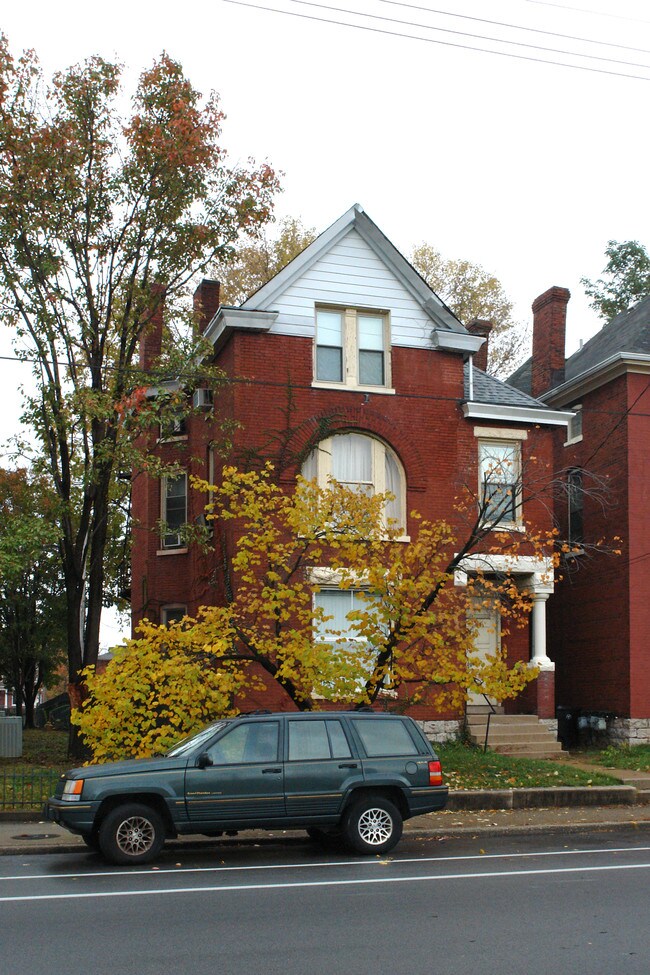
(254, 742)
(317, 740)
(384, 738)
(173, 509)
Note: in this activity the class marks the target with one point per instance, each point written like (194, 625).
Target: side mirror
(204, 760)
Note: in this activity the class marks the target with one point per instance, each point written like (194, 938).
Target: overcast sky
(524, 167)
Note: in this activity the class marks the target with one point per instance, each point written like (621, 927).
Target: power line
(586, 10)
(500, 23)
(461, 33)
(433, 40)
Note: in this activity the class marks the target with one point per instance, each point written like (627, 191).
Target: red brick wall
(422, 422)
(589, 628)
(638, 547)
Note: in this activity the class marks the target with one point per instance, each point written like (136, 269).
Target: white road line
(225, 888)
(382, 861)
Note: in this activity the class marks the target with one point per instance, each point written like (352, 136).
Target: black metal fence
(26, 790)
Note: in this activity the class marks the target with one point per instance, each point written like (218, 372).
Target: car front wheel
(373, 825)
(132, 833)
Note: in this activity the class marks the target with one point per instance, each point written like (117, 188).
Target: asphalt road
(525, 904)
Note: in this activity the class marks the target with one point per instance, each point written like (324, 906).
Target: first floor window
(343, 632)
(174, 509)
(499, 481)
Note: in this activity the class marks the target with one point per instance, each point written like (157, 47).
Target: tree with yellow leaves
(407, 629)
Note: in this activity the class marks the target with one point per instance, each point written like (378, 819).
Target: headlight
(72, 790)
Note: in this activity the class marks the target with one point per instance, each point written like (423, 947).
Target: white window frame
(513, 444)
(350, 350)
(574, 429)
(379, 449)
(171, 540)
(331, 586)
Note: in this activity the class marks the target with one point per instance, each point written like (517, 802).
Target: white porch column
(540, 658)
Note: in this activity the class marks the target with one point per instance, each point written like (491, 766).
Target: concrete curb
(604, 795)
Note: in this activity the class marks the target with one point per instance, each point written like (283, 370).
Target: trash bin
(567, 726)
(593, 726)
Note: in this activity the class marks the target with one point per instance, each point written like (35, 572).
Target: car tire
(327, 839)
(92, 841)
(373, 825)
(132, 833)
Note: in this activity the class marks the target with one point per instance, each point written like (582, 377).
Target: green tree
(626, 279)
(472, 292)
(256, 261)
(32, 596)
(102, 218)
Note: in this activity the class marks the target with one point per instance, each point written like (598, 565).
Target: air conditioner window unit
(202, 398)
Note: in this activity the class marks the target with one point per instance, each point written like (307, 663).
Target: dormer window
(352, 348)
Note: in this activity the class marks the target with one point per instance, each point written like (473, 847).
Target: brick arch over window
(359, 420)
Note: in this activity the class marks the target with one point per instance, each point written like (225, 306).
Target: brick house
(372, 366)
(599, 619)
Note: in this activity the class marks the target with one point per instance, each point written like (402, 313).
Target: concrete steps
(513, 734)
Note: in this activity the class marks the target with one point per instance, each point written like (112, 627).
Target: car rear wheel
(373, 825)
(132, 833)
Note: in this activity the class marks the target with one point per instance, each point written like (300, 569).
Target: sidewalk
(28, 834)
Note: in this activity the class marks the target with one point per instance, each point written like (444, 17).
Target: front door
(245, 782)
(486, 641)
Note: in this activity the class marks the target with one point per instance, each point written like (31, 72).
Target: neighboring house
(599, 625)
(347, 348)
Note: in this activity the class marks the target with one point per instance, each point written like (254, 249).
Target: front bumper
(78, 817)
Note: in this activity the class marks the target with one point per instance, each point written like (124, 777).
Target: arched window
(363, 463)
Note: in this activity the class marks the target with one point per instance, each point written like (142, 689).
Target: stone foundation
(551, 724)
(629, 731)
(441, 730)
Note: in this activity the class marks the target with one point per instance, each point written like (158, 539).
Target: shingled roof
(626, 334)
(487, 389)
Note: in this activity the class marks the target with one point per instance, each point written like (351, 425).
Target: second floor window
(174, 509)
(499, 481)
(352, 347)
(362, 463)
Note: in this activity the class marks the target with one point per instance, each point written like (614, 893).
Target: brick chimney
(478, 326)
(206, 302)
(151, 335)
(549, 333)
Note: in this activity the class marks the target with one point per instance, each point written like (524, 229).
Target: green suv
(349, 776)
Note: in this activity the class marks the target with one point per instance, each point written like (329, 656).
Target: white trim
(228, 320)
(500, 433)
(518, 414)
(343, 387)
(456, 341)
(603, 372)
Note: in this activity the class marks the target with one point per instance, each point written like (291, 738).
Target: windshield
(188, 744)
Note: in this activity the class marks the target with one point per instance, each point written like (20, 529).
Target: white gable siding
(351, 274)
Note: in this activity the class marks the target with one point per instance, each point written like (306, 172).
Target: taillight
(435, 773)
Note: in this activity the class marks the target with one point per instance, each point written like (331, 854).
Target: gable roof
(357, 218)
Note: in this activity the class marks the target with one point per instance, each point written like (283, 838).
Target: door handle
(349, 765)
(271, 771)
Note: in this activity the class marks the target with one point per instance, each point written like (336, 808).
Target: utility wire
(433, 40)
(461, 33)
(586, 10)
(500, 23)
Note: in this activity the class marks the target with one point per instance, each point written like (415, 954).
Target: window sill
(172, 551)
(508, 527)
(179, 438)
(349, 388)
